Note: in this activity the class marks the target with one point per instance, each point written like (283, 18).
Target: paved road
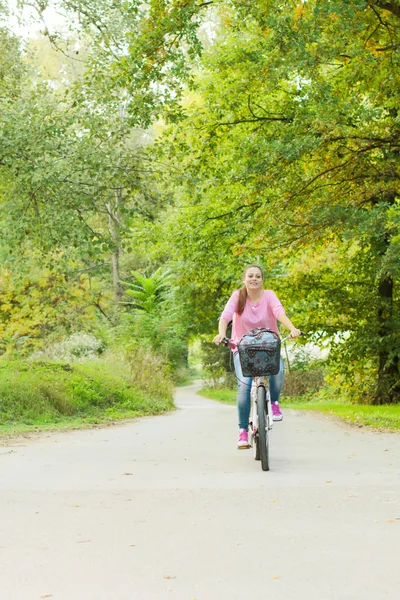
(167, 508)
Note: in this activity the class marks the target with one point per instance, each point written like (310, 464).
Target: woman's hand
(294, 333)
(218, 338)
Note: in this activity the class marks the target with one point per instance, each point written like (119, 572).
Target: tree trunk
(388, 388)
(114, 211)
(388, 384)
(388, 5)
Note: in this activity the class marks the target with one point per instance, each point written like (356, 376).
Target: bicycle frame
(256, 383)
(254, 421)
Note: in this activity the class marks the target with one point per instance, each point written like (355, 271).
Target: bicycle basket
(260, 352)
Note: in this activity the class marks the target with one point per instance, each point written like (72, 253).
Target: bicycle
(259, 353)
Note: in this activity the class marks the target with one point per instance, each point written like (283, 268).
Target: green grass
(49, 395)
(378, 417)
(386, 417)
(226, 396)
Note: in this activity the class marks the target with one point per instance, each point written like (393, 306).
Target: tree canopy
(277, 141)
(291, 155)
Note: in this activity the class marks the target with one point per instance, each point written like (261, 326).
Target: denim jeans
(244, 387)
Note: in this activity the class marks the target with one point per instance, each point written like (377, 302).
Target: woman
(251, 307)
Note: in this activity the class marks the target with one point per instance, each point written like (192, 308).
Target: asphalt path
(167, 508)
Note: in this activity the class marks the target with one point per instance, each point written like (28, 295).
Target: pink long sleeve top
(262, 314)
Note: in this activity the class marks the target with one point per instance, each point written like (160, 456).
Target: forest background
(149, 151)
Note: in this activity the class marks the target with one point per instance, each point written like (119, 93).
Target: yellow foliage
(33, 308)
(298, 11)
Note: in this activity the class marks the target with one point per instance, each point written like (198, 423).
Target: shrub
(217, 362)
(49, 391)
(303, 381)
(158, 334)
(149, 371)
(79, 346)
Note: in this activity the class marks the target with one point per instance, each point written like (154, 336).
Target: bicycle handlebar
(228, 342)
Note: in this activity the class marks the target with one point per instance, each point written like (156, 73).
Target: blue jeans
(244, 387)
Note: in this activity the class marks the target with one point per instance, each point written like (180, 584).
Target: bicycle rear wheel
(263, 427)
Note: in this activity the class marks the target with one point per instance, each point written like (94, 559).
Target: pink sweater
(262, 314)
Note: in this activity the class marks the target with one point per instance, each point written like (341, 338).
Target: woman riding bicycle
(247, 308)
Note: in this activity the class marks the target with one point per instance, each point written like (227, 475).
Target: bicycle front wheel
(263, 427)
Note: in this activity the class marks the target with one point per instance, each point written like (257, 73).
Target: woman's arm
(222, 326)
(226, 317)
(286, 322)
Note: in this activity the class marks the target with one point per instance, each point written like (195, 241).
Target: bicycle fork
(253, 411)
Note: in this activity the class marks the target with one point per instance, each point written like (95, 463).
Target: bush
(149, 371)
(79, 346)
(217, 361)
(303, 381)
(305, 373)
(49, 391)
(151, 332)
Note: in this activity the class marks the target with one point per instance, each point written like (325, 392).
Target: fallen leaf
(329, 481)
(169, 576)
(389, 520)
(277, 576)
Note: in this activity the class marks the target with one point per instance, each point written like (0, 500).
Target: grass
(224, 395)
(51, 395)
(385, 417)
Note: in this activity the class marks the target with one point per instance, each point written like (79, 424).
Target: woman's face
(253, 279)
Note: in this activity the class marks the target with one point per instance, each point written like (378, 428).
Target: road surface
(167, 508)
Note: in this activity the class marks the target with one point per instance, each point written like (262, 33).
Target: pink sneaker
(243, 441)
(276, 412)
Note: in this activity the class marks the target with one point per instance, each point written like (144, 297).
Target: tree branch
(390, 6)
(236, 210)
(392, 47)
(254, 120)
(99, 308)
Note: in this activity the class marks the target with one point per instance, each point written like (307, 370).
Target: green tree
(292, 155)
(72, 179)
